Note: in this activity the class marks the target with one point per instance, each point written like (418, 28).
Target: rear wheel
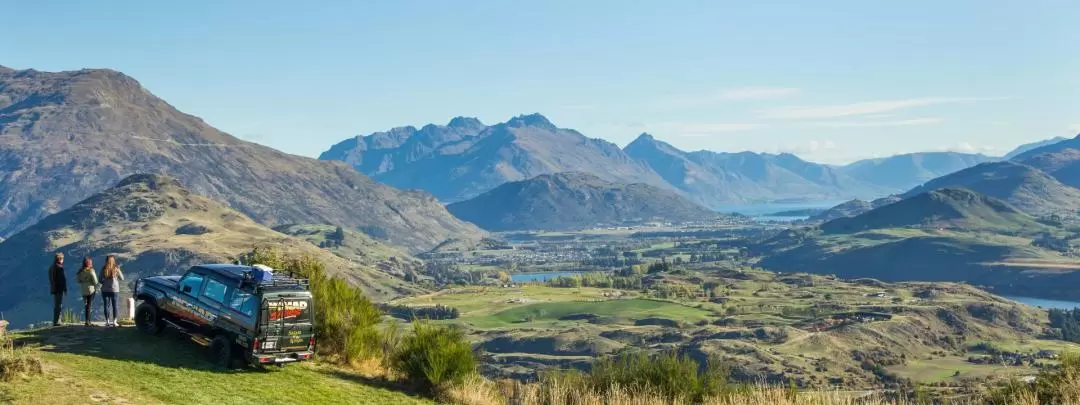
(147, 319)
(221, 352)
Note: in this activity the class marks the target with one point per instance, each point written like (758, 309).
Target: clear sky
(832, 81)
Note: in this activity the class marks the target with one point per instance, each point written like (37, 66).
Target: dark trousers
(109, 302)
(58, 306)
(88, 299)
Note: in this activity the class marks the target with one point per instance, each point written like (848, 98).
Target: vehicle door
(286, 322)
(188, 308)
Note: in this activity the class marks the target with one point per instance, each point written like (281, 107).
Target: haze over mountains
(67, 135)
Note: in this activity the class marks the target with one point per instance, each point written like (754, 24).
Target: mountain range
(564, 201)
(154, 226)
(465, 158)
(65, 136)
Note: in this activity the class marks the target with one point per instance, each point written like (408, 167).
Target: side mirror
(187, 289)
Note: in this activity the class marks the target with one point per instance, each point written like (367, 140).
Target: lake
(760, 212)
(542, 277)
(1044, 303)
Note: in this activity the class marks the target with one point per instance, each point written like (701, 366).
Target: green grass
(942, 369)
(625, 310)
(88, 365)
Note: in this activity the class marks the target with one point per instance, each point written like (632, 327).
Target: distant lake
(1046, 304)
(761, 211)
(541, 277)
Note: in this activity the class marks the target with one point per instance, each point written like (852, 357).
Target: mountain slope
(154, 226)
(1004, 265)
(1022, 186)
(456, 162)
(853, 208)
(714, 179)
(572, 201)
(1061, 160)
(947, 207)
(1032, 146)
(356, 247)
(67, 135)
(903, 172)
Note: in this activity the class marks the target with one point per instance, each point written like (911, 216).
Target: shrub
(345, 319)
(1057, 386)
(435, 357)
(670, 375)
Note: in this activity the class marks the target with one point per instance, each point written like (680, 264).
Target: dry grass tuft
(18, 364)
(474, 390)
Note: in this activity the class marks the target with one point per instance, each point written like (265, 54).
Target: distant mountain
(1032, 146)
(573, 201)
(902, 172)
(67, 135)
(464, 159)
(1025, 187)
(714, 179)
(154, 226)
(384, 152)
(853, 208)
(947, 208)
(1061, 160)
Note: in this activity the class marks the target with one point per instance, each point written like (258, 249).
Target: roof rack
(278, 280)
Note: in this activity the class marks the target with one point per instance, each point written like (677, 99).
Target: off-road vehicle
(248, 316)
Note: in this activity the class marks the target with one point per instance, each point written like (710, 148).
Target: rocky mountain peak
(531, 120)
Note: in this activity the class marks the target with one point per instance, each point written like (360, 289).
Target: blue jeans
(109, 299)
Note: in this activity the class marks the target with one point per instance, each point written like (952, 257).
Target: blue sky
(832, 81)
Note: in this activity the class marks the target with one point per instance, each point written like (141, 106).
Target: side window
(215, 290)
(191, 283)
(243, 302)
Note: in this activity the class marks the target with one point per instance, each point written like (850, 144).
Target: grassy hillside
(1007, 264)
(768, 325)
(154, 226)
(124, 366)
(357, 247)
(943, 208)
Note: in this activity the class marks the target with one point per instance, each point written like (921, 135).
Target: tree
(503, 276)
(338, 237)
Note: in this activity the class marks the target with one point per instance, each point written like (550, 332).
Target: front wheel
(147, 319)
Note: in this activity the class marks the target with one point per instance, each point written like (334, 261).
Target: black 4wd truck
(248, 321)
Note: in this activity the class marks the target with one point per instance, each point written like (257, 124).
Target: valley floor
(122, 366)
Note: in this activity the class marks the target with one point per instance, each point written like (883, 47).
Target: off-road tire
(147, 319)
(221, 353)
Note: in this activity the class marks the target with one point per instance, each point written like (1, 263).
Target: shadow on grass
(169, 349)
(371, 382)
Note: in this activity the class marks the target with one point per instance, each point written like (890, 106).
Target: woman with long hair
(88, 282)
(111, 276)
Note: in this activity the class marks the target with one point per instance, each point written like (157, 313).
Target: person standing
(57, 286)
(88, 282)
(111, 276)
